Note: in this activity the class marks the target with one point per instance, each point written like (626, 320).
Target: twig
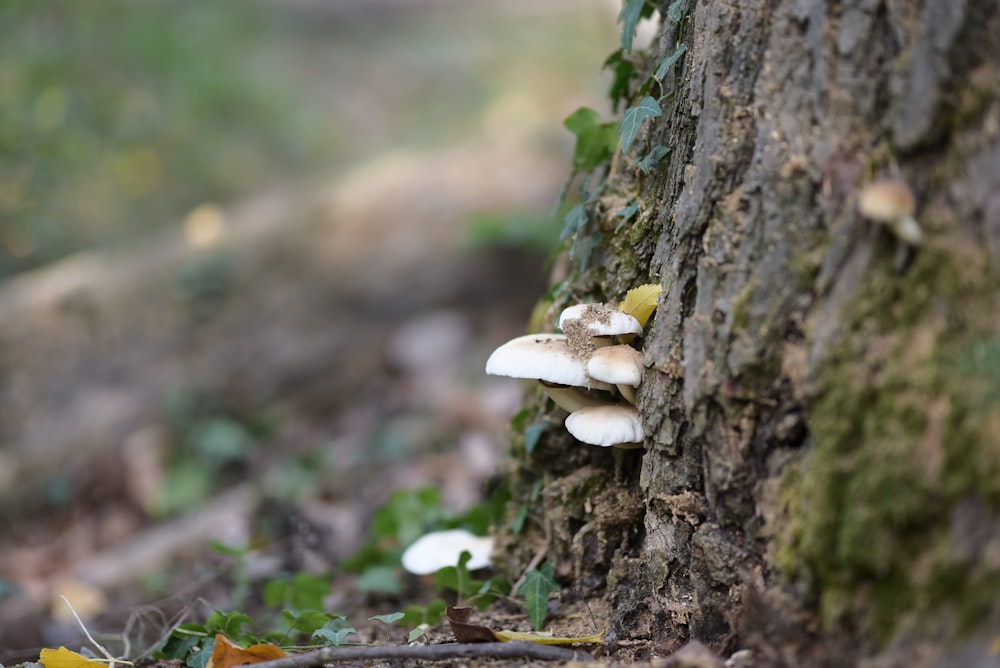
(111, 660)
(491, 650)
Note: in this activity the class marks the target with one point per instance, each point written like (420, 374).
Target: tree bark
(821, 477)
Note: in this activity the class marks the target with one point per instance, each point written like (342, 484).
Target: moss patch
(904, 430)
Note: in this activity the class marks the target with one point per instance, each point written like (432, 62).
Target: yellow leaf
(509, 636)
(64, 658)
(640, 302)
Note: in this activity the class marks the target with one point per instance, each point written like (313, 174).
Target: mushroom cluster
(589, 370)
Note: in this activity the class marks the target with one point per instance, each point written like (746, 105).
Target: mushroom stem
(908, 229)
(627, 392)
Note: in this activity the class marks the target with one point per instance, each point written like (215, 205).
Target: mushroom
(609, 425)
(591, 326)
(891, 202)
(548, 359)
(439, 549)
(620, 365)
(600, 320)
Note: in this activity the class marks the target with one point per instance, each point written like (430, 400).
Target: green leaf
(581, 119)
(229, 550)
(575, 219)
(415, 633)
(668, 62)
(532, 433)
(629, 18)
(517, 523)
(301, 592)
(595, 139)
(200, 658)
(175, 646)
(310, 621)
(628, 211)
(229, 624)
(632, 120)
(675, 12)
(188, 483)
(388, 619)
(406, 514)
(335, 632)
(457, 577)
(220, 441)
(652, 159)
(622, 71)
(538, 585)
(381, 579)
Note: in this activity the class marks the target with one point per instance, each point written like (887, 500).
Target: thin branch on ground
(499, 650)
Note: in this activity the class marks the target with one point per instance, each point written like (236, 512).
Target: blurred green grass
(117, 118)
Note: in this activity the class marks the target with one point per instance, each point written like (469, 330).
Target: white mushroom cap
(600, 320)
(538, 356)
(613, 425)
(891, 202)
(620, 365)
(438, 549)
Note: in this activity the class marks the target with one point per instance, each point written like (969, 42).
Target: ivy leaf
(652, 159)
(381, 579)
(388, 619)
(622, 72)
(581, 119)
(627, 213)
(301, 592)
(575, 219)
(335, 632)
(307, 622)
(201, 658)
(538, 584)
(629, 18)
(675, 12)
(532, 433)
(595, 139)
(669, 61)
(632, 120)
(227, 623)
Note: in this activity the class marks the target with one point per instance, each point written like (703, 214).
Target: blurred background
(252, 259)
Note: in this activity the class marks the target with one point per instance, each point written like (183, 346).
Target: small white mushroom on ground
(613, 425)
(891, 203)
(547, 358)
(619, 365)
(439, 549)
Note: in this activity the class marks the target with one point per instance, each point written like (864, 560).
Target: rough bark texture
(821, 481)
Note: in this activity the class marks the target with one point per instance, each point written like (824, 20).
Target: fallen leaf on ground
(465, 631)
(228, 654)
(66, 658)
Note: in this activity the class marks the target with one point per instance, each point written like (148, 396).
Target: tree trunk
(821, 474)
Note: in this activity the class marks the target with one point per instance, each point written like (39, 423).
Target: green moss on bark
(904, 432)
